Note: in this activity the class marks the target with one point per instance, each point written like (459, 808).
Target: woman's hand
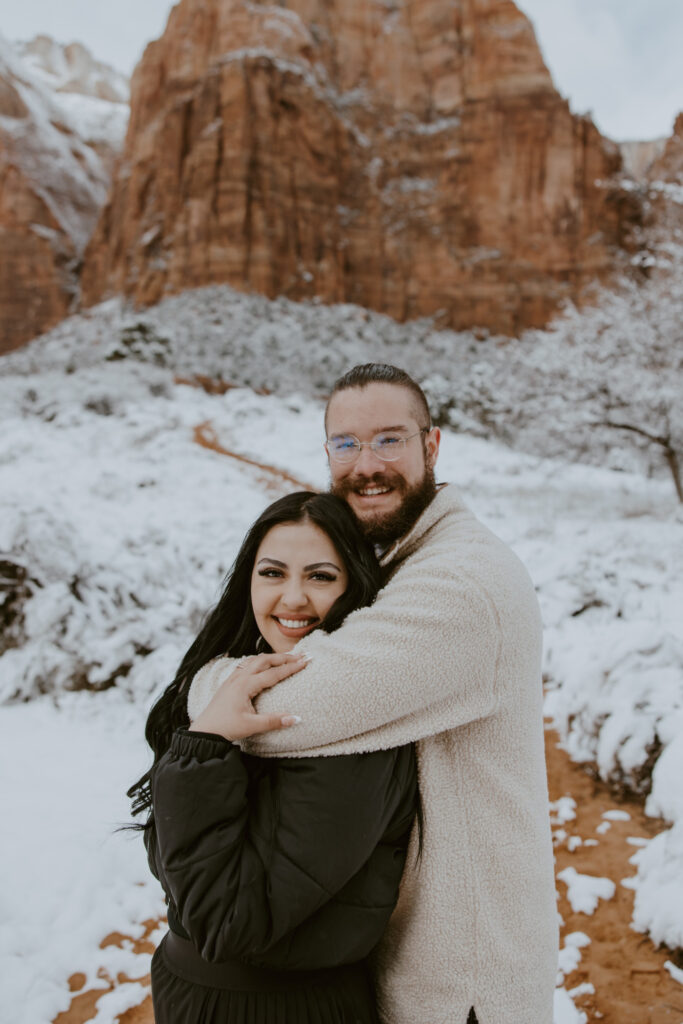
(231, 714)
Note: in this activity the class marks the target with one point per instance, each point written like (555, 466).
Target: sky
(619, 60)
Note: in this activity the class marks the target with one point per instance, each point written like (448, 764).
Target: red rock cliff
(55, 166)
(412, 157)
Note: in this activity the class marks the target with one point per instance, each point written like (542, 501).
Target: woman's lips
(295, 627)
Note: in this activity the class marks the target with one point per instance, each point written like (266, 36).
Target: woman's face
(297, 577)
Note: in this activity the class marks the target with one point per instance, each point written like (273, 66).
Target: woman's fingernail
(291, 719)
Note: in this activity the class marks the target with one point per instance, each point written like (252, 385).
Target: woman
(280, 875)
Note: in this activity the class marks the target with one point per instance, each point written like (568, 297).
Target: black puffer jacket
(288, 863)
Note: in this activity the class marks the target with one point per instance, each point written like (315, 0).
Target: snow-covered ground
(116, 529)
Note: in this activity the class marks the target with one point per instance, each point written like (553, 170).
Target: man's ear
(432, 442)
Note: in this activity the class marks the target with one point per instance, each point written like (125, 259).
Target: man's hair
(383, 373)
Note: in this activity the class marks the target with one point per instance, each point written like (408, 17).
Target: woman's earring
(260, 645)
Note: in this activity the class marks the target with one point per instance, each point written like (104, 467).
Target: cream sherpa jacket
(448, 656)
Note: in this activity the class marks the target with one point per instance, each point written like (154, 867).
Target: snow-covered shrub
(140, 341)
(107, 558)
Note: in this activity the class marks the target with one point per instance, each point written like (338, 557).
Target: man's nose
(368, 462)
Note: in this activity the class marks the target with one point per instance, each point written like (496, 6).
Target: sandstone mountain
(414, 158)
(56, 157)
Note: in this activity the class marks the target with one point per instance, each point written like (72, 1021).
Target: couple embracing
(370, 841)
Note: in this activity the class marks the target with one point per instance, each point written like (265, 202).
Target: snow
(675, 972)
(74, 879)
(72, 68)
(570, 953)
(658, 907)
(563, 810)
(118, 1001)
(666, 798)
(584, 989)
(441, 124)
(117, 528)
(564, 1010)
(669, 189)
(585, 891)
(95, 120)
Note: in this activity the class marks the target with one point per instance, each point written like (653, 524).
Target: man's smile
(371, 492)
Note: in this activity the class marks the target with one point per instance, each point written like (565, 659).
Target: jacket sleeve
(246, 861)
(207, 682)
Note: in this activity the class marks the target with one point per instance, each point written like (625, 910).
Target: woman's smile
(295, 628)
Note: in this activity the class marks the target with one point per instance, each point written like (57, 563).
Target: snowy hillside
(116, 528)
(600, 386)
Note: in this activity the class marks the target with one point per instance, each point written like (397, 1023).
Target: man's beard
(383, 529)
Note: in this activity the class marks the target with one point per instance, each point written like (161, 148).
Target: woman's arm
(246, 863)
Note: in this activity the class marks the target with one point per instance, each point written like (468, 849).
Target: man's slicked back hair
(383, 373)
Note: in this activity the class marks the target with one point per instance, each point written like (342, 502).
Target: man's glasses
(387, 446)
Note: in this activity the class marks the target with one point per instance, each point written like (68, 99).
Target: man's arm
(207, 682)
(431, 638)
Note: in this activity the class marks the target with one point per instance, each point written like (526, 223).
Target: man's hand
(231, 714)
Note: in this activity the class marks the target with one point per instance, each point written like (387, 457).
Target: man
(447, 657)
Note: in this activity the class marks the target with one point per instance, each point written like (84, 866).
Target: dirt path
(84, 1003)
(270, 476)
(629, 982)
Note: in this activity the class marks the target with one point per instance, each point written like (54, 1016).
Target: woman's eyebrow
(273, 561)
(319, 565)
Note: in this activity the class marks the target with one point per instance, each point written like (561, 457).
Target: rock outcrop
(639, 157)
(414, 158)
(669, 166)
(73, 69)
(56, 158)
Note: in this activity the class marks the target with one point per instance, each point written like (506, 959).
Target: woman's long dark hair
(231, 627)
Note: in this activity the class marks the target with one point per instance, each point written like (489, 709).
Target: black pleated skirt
(188, 990)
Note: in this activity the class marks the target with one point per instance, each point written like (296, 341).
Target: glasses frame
(372, 445)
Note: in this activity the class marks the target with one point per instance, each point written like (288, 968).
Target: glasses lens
(343, 449)
(388, 446)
